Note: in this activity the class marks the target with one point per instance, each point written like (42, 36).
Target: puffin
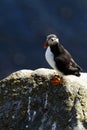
(59, 58)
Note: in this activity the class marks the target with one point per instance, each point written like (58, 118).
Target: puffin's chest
(50, 58)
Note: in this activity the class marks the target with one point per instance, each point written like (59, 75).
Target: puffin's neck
(56, 49)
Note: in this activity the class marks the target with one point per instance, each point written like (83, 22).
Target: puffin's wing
(66, 64)
(74, 65)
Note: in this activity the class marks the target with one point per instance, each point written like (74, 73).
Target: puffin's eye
(52, 39)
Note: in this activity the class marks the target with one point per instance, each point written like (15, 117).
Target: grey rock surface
(28, 101)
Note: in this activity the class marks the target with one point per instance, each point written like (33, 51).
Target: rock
(28, 101)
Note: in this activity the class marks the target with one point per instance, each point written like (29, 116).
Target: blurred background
(24, 25)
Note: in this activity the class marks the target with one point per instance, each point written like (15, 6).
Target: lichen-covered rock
(28, 101)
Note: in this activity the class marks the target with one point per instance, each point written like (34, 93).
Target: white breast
(50, 58)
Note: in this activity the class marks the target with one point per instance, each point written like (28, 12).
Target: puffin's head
(51, 40)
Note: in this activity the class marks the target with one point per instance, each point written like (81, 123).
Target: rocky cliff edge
(28, 101)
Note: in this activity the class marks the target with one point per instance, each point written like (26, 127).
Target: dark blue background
(24, 25)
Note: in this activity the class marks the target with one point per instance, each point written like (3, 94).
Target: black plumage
(62, 58)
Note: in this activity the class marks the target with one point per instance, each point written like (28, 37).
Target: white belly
(50, 58)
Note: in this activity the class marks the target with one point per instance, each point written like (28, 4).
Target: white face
(52, 40)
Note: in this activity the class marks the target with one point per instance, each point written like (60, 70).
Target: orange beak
(45, 44)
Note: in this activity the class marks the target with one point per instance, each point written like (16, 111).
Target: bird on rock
(59, 58)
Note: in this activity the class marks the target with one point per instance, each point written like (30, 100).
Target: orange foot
(56, 80)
